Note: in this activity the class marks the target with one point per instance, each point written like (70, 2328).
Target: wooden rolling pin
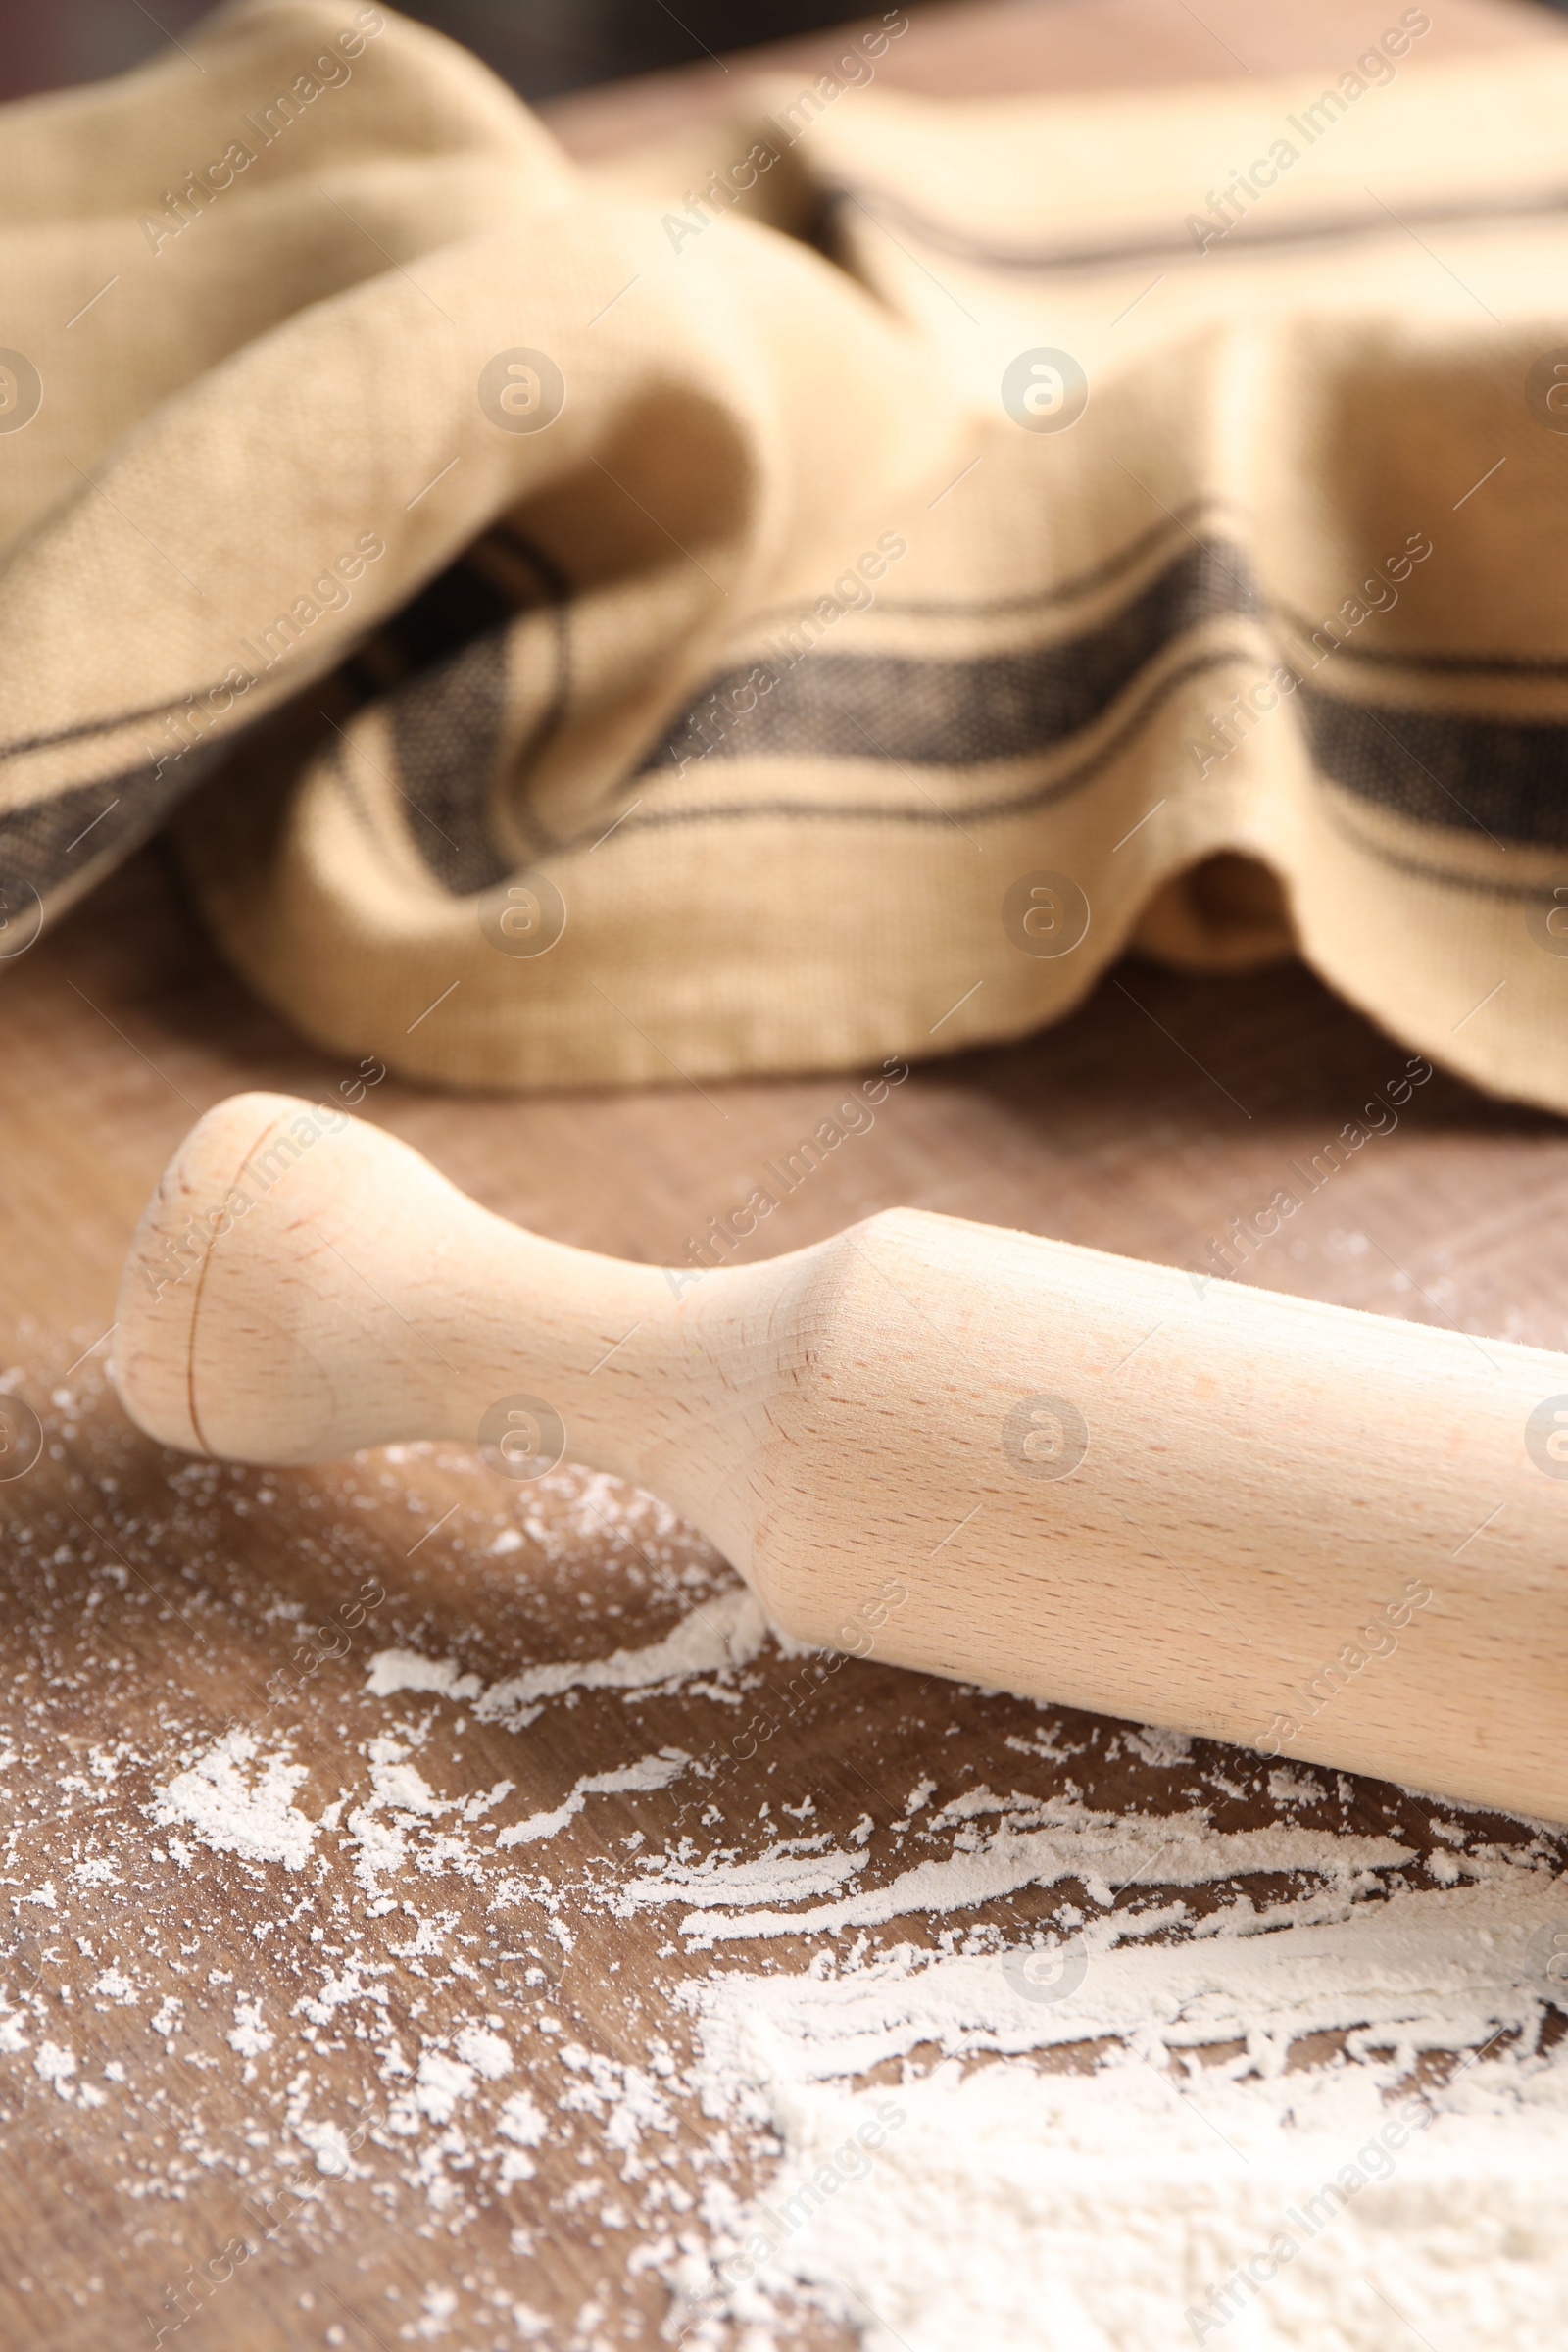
(1119, 1486)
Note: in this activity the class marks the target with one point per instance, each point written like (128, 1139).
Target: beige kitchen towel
(812, 593)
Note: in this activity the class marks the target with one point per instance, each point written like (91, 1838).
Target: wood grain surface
(186, 2028)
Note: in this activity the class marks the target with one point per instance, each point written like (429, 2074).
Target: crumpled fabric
(811, 591)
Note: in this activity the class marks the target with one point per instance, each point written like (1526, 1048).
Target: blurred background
(542, 47)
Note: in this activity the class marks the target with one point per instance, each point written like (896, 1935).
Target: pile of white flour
(1155, 2200)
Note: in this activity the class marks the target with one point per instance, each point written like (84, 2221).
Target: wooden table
(152, 1604)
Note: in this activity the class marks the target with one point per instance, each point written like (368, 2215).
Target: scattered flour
(648, 1772)
(440, 2084)
(248, 2034)
(440, 2306)
(522, 2120)
(1103, 1851)
(724, 1632)
(235, 1814)
(393, 1670)
(487, 2052)
(792, 1870)
(54, 2065)
(399, 1788)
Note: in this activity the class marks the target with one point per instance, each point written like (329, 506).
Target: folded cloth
(814, 591)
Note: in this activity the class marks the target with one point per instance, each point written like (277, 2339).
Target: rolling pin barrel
(1113, 1484)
